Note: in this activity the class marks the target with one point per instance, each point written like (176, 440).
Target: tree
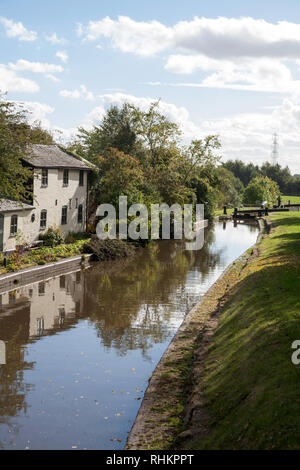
(13, 145)
(168, 172)
(38, 135)
(115, 131)
(245, 172)
(261, 189)
(120, 174)
(230, 189)
(281, 176)
(157, 135)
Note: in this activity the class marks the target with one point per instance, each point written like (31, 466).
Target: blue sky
(230, 68)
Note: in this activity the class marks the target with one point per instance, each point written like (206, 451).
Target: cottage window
(81, 177)
(70, 203)
(13, 225)
(62, 282)
(66, 178)
(43, 221)
(41, 288)
(40, 326)
(64, 215)
(80, 213)
(44, 178)
(61, 316)
(11, 297)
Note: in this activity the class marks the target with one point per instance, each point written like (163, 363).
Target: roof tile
(51, 156)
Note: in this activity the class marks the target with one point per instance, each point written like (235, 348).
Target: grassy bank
(247, 386)
(292, 199)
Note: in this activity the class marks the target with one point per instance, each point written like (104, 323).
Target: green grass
(250, 387)
(293, 199)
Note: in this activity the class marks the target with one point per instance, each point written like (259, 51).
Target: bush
(72, 237)
(261, 189)
(52, 237)
(108, 249)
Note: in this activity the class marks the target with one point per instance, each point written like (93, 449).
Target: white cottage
(60, 198)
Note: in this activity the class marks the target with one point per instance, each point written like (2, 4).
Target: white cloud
(62, 55)
(187, 64)
(218, 38)
(131, 36)
(17, 30)
(70, 94)
(262, 74)
(10, 81)
(54, 39)
(79, 29)
(53, 78)
(232, 53)
(38, 112)
(35, 67)
(76, 94)
(94, 117)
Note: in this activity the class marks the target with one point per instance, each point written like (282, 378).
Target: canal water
(76, 351)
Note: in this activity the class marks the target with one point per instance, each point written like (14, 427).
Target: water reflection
(65, 343)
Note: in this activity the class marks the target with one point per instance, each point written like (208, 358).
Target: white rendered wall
(51, 198)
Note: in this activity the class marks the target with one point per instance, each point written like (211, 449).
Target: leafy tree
(116, 130)
(245, 172)
(13, 144)
(167, 171)
(230, 189)
(282, 176)
(261, 189)
(38, 135)
(120, 174)
(157, 135)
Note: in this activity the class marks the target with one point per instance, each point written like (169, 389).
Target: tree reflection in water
(131, 302)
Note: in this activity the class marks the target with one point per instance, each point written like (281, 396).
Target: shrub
(108, 249)
(261, 189)
(72, 237)
(52, 237)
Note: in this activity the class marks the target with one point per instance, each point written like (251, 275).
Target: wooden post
(225, 210)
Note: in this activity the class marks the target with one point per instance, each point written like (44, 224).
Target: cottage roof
(7, 205)
(51, 156)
